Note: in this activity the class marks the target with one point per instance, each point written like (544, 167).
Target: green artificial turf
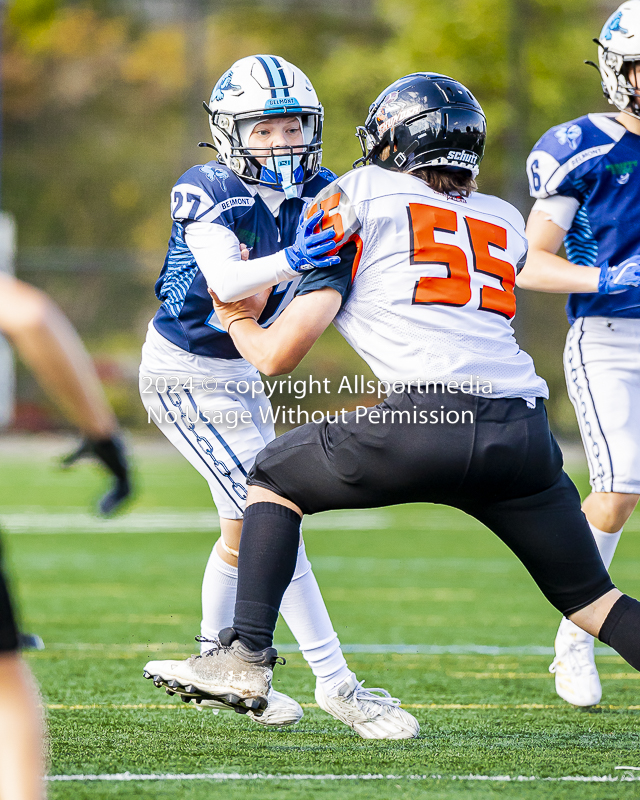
(105, 601)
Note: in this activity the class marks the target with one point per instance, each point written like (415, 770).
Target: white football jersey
(432, 292)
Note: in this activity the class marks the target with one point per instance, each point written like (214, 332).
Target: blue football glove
(309, 247)
(614, 280)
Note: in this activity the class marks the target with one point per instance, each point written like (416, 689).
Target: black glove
(111, 453)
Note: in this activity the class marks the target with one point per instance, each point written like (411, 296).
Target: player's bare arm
(247, 308)
(51, 348)
(44, 338)
(281, 347)
(547, 272)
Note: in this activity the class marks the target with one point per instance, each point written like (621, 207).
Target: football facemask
(280, 166)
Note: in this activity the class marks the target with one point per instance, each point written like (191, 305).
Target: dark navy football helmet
(428, 120)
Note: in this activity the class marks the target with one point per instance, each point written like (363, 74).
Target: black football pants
(498, 462)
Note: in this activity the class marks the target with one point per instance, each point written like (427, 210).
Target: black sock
(621, 629)
(268, 554)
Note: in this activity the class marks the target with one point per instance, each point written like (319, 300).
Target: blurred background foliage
(102, 113)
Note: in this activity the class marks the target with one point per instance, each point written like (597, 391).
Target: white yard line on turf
(74, 519)
(236, 776)
(400, 649)
(440, 706)
(113, 706)
(35, 519)
(22, 521)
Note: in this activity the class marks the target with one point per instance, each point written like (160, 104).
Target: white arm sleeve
(559, 209)
(216, 250)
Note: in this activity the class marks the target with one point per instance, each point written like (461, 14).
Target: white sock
(606, 543)
(218, 597)
(306, 615)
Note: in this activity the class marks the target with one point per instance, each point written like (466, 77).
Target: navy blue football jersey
(213, 193)
(596, 161)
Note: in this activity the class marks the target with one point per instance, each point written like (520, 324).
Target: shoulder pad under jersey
(338, 212)
(210, 193)
(317, 183)
(326, 174)
(568, 152)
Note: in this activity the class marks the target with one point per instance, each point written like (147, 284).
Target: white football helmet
(619, 52)
(259, 87)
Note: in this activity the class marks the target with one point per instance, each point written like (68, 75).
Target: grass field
(107, 596)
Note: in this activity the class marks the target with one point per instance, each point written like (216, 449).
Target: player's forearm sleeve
(217, 253)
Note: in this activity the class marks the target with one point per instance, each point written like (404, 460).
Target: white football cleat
(281, 710)
(574, 666)
(372, 713)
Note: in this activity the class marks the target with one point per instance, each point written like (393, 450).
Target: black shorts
(8, 628)
(495, 459)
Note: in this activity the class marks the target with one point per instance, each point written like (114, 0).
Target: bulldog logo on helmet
(614, 25)
(224, 85)
(255, 89)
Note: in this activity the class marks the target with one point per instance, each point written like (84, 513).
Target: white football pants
(212, 411)
(602, 370)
